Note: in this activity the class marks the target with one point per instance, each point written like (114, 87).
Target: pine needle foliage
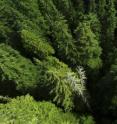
(59, 32)
(24, 110)
(35, 45)
(62, 83)
(17, 69)
(88, 46)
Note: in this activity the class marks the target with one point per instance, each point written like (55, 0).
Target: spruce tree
(59, 33)
(88, 46)
(67, 9)
(92, 6)
(107, 15)
(16, 72)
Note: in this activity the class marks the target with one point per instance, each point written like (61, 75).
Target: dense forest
(58, 62)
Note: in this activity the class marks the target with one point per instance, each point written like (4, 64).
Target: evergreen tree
(101, 8)
(61, 84)
(59, 33)
(92, 6)
(34, 45)
(26, 110)
(107, 103)
(67, 9)
(107, 15)
(16, 72)
(79, 6)
(42, 42)
(88, 46)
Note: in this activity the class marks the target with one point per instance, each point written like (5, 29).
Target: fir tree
(88, 46)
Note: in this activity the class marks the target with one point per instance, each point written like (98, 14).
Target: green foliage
(16, 69)
(4, 99)
(9, 14)
(62, 83)
(111, 20)
(108, 102)
(113, 88)
(87, 120)
(79, 7)
(101, 6)
(92, 6)
(4, 32)
(107, 15)
(65, 6)
(31, 13)
(15, 18)
(94, 23)
(24, 110)
(88, 46)
(67, 9)
(35, 45)
(42, 42)
(59, 32)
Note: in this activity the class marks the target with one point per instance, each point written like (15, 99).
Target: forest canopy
(63, 54)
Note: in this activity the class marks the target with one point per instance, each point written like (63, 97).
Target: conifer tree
(59, 33)
(16, 71)
(107, 104)
(107, 15)
(88, 46)
(92, 6)
(60, 84)
(78, 5)
(101, 8)
(67, 9)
